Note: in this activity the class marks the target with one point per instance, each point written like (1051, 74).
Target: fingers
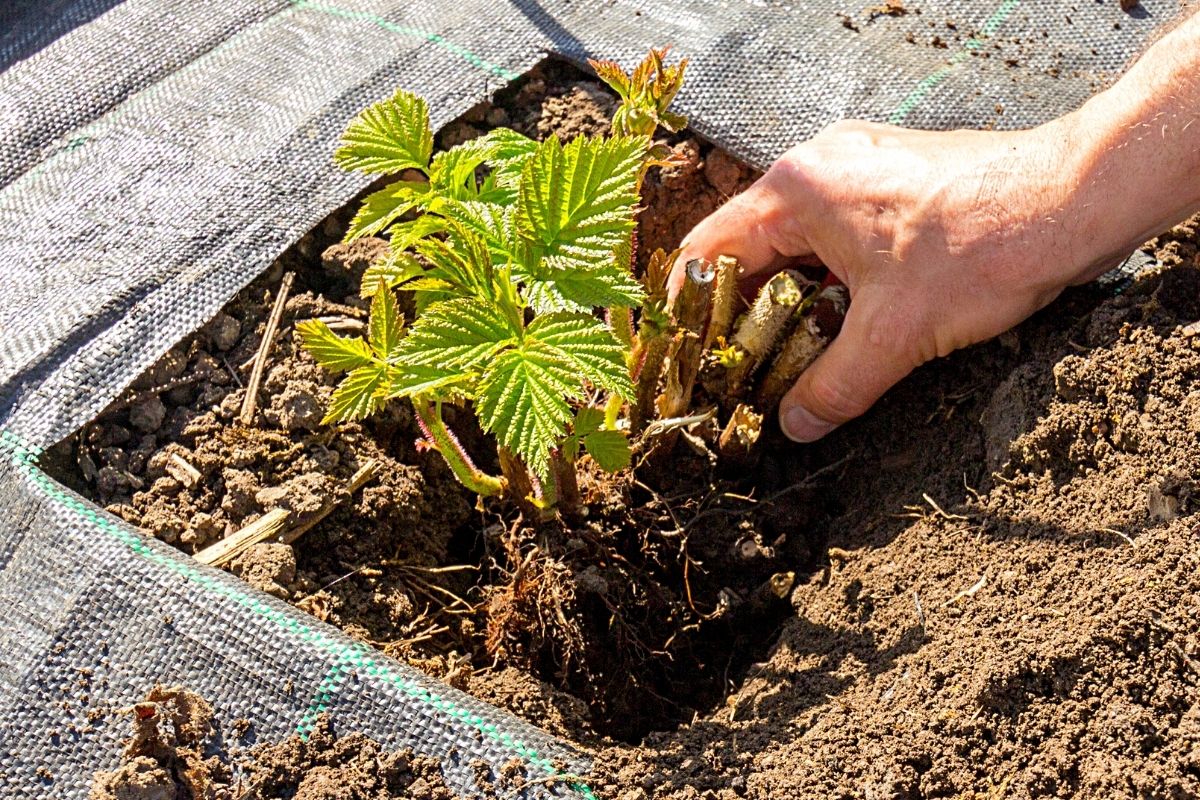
(863, 361)
(756, 227)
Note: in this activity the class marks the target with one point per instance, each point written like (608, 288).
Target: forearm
(1136, 150)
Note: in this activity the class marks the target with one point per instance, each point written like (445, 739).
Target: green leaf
(588, 420)
(578, 201)
(463, 260)
(386, 325)
(358, 395)
(456, 336)
(587, 348)
(413, 381)
(492, 222)
(404, 235)
(574, 289)
(388, 136)
(453, 171)
(333, 352)
(523, 401)
(392, 270)
(609, 449)
(382, 208)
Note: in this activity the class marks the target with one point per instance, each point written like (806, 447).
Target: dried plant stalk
(265, 528)
(683, 359)
(801, 348)
(725, 296)
(280, 523)
(740, 434)
(763, 326)
(250, 401)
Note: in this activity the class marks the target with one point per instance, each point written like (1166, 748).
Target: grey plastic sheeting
(156, 156)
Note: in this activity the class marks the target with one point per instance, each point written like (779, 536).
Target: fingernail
(801, 425)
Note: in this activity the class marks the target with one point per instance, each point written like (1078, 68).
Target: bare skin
(949, 238)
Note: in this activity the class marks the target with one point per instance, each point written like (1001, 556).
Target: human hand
(943, 239)
(946, 239)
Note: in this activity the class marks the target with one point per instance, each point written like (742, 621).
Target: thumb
(863, 361)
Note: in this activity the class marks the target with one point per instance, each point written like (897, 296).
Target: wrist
(1132, 152)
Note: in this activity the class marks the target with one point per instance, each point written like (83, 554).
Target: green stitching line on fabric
(327, 690)
(927, 85)
(24, 458)
(404, 30)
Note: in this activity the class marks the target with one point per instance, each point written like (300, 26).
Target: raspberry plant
(519, 257)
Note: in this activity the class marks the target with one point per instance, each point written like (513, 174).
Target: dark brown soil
(996, 569)
(166, 758)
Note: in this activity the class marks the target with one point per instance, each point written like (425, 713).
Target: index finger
(757, 227)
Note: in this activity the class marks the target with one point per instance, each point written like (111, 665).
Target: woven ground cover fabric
(156, 156)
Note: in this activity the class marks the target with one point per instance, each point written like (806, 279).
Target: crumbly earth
(997, 591)
(166, 759)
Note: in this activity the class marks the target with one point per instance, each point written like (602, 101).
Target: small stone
(270, 496)
(268, 566)
(1161, 506)
(111, 481)
(223, 332)
(296, 408)
(147, 416)
(231, 404)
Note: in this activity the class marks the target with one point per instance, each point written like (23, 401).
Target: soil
(168, 757)
(996, 587)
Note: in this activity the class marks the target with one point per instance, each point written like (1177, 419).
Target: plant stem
(763, 327)
(521, 487)
(651, 354)
(811, 336)
(566, 484)
(621, 322)
(475, 479)
(724, 295)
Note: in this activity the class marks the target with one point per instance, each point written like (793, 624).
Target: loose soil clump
(166, 758)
